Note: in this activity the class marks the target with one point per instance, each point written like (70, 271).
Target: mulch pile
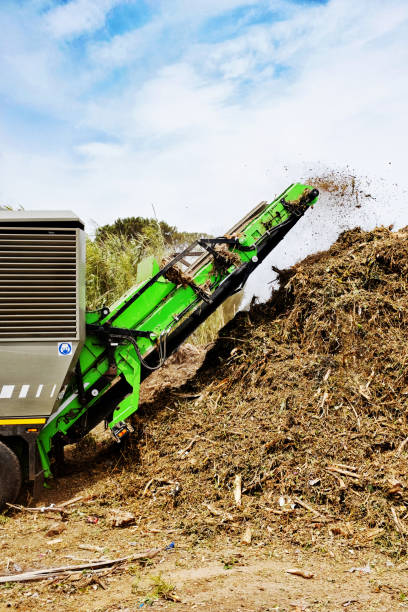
(303, 398)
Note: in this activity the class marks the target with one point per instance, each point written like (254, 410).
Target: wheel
(10, 475)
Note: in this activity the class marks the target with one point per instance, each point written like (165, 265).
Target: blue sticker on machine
(64, 349)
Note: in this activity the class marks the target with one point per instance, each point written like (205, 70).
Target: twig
(356, 415)
(72, 501)
(306, 506)
(145, 490)
(52, 507)
(346, 466)
(72, 569)
(188, 447)
(152, 480)
(43, 509)
(280, 512)
(333, 468)
(191, 444)
(401, 447)
(399, 525)
(187, 395)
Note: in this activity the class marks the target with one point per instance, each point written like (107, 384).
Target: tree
(148, 231)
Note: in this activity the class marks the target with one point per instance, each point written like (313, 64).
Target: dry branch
(307, 506)
(44, 574)
(42, 510)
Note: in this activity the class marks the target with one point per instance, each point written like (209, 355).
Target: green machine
(63, 371)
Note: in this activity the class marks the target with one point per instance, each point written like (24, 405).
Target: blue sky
(200, 107)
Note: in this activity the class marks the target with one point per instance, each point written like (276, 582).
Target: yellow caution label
(34, 421)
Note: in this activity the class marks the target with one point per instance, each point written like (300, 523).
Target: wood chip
(373, 533)
(121, 518)
(341, 529)
(55, 530)
(395, 486)
(247, 536)
(300, 572)
(237, 490)
(215, 512)
(401, 447)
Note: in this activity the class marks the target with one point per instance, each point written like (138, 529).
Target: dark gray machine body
(42, 316)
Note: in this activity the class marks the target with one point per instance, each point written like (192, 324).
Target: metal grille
(38, 288)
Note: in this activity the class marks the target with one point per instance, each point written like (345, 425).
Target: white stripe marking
(23, 391)
(40, 388)
(6, 392)
(53, 390)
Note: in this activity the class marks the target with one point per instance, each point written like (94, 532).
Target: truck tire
(10, 475)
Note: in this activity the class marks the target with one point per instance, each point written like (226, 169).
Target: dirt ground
(224, 575)
(221, 573)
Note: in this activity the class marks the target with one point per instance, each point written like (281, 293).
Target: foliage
(113, 257)
(111, 267)
(161, 588)
(150, 231)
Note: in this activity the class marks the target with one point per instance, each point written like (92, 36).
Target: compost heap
(303, 398)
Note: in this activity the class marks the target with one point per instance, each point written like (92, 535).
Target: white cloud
(97, 151)
(78, 16)
(124, 49)
(203, 9)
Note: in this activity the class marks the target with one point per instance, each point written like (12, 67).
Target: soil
(217, 576)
